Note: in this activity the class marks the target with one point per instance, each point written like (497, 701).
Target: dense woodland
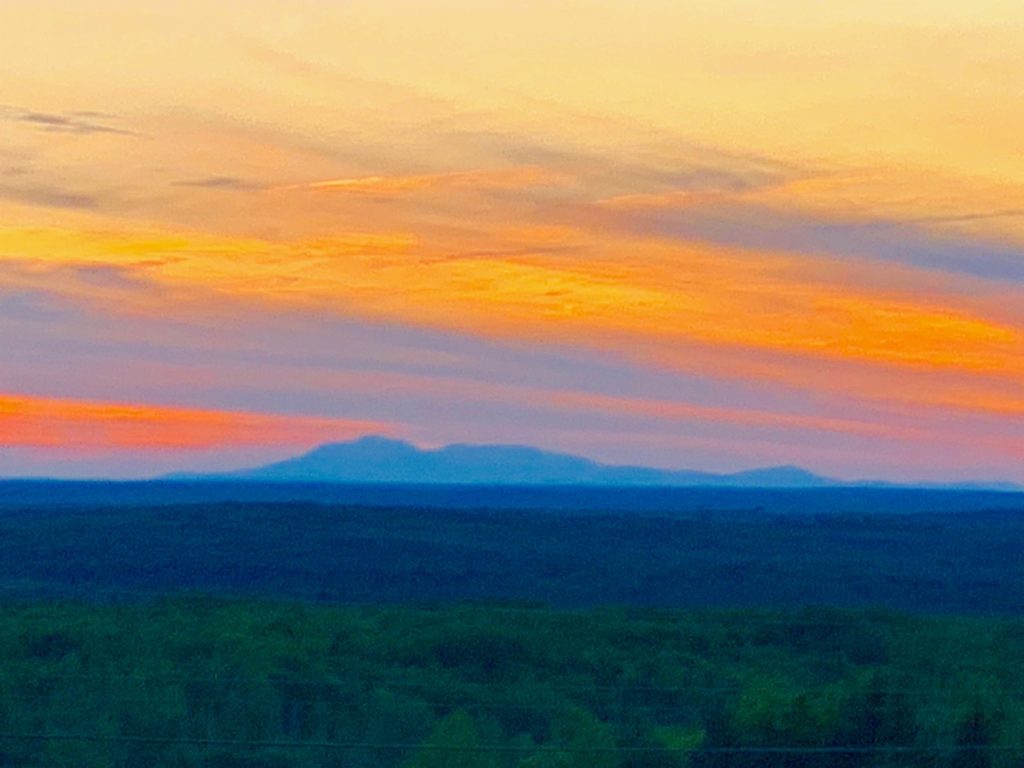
(229, 683)
(476, 628)
(857, 549)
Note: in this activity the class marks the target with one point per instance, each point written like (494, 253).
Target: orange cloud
(44, 422)
(624, 295)
(673, 199)
(394, 186)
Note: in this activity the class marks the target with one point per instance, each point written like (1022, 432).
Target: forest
(148, 626)
(196, 681)
(917, 552)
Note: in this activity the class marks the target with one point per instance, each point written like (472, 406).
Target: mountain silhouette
(384, 460)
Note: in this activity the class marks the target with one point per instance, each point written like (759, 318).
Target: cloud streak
(228, 183)
(82, 123)
(70, 425)
(672, 297)
(48, 196)
(475, 180)
(689, 217)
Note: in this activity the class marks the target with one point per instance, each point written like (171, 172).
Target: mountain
(383, 460)
(373, 460)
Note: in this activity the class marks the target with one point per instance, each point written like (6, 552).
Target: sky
(679, 233)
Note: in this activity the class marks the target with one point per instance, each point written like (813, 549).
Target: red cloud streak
(88, 426)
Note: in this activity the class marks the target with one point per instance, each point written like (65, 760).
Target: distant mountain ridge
(384, 460)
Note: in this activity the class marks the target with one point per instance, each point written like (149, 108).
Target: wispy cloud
(81, 122)
(395, 186)
(690, 217)
(668, 165)
(227, 183)
(48, 196)
(12, 171)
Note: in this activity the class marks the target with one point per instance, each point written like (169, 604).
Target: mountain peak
(366, 443)
(380, 459)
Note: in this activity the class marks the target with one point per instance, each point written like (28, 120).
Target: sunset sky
(713, 235)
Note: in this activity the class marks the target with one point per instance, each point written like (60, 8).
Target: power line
(723, 617)
(434, 702)
(456, 686)
(509, 748)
